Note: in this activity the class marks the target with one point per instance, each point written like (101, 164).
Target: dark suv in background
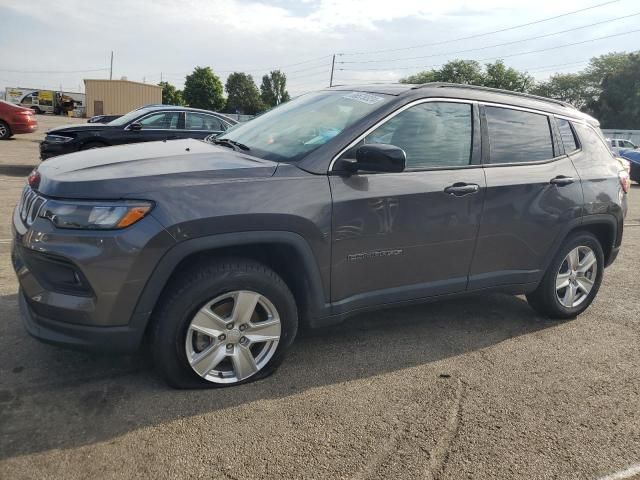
(147, 124)
(334, 203)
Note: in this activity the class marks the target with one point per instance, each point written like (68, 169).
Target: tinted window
(516, 136)
(628, 144)
(568, 137)
(434, 134)
(161, 121)
(202, 121)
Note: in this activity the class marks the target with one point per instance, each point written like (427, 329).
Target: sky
(48, 44)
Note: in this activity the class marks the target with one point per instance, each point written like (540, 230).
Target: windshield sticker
(364, 97)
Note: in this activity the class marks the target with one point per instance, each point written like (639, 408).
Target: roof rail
(494, 90)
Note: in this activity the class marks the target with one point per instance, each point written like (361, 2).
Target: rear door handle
(562, 180)
(460, 189)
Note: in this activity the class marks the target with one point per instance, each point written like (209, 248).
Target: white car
(619, 145)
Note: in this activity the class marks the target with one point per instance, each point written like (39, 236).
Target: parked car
(103, 118)
(633, 158)
(619, 145)
(158, 122)
(15, 120)
(337, 202)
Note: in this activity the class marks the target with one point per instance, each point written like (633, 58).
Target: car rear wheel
(222, 324)
(5, 131)
(572, 280)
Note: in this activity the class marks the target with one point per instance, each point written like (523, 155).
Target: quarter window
(201, 121)
(161, 121)
(568, 136)
(433, 134)
(516, 136)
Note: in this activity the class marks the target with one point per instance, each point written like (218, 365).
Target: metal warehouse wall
(119, 96)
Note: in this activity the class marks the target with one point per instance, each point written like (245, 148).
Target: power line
(54, 71)
(493, 46)
(365, 52)
(492, 58)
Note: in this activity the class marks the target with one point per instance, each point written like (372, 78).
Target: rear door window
(568, 136)
(517, 137)
(202, 121)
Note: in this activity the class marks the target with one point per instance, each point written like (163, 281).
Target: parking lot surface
(479, 387)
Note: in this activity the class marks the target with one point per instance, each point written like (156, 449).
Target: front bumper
(125, 339)
(48, 150)
(112, 269)
(21, 128)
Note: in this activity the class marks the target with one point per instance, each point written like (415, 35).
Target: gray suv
(337, 202)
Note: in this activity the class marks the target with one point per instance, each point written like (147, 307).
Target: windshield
(298, 127)
(127, 117)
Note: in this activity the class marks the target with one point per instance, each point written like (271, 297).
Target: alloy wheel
(233, 337)
(576, 276)
(3, 130)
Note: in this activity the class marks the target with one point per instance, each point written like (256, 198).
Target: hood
(85, 127)
(128, 171)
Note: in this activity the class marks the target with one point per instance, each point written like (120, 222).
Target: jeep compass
(334, 203)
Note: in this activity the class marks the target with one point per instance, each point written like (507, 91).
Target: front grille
(29, 206)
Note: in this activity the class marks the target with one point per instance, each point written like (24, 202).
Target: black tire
(190, 291)
(36, 110)
(5, 131)
(544, 299)
(92, 145)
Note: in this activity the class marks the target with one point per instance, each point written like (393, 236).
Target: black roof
(472, 92)
(160, 106)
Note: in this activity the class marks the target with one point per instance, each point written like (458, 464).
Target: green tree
(170, 94)
(243, 94)
(203, 89)
(497, 75)
(468, 72)
(574, 88)
(273, 89)
(618, 105)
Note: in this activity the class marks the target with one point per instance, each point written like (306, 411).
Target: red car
(15, 119)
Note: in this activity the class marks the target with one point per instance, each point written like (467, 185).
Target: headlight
(57, 139)
(94, 215)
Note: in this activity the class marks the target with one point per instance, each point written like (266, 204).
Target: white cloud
(169, 36)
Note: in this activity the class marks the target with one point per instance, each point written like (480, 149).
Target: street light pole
(333, 64)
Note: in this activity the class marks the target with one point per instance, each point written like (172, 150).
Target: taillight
(625, 181)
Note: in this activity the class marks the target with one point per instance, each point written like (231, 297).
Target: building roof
(106, 80)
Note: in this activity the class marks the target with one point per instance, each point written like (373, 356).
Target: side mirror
(378, 157)
(136, 127)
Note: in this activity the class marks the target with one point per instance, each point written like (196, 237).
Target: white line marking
(632, 224)
(626, 473)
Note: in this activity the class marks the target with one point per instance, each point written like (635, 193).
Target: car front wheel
(222, 324)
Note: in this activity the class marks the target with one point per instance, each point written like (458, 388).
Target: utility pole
(160, 77)
(111, 67)
(333, 64)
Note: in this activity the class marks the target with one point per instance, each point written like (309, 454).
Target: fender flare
(318, 305)
(577, 223)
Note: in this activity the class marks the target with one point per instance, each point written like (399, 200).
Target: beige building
(117, 97)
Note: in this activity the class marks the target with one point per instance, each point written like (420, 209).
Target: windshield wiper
(225, 142)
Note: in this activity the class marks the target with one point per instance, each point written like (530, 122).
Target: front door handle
(460, 189)
(562, 180)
